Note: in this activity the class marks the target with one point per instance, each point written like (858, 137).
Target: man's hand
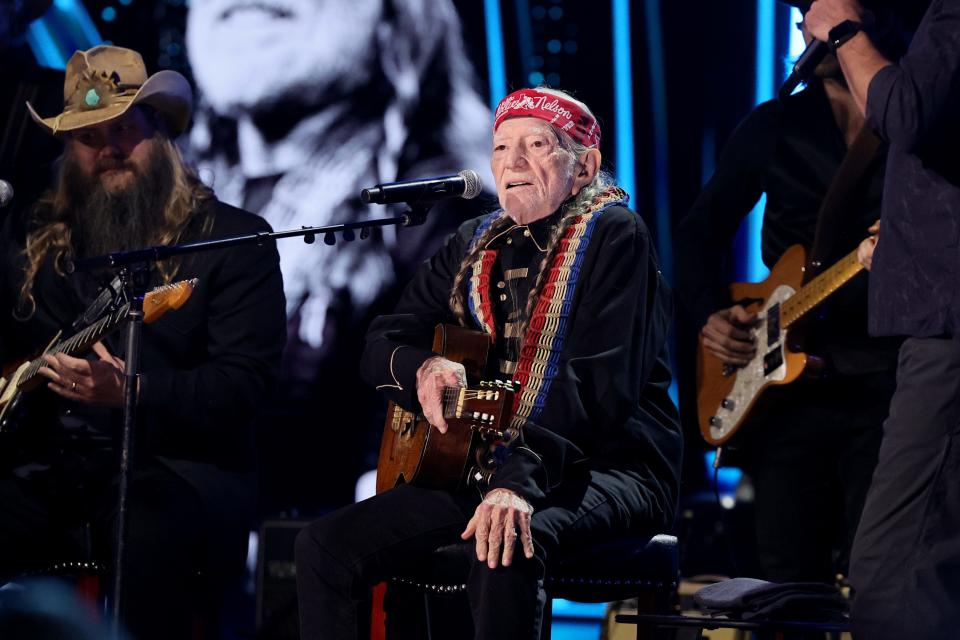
(97, 382)
(727, 335)
(433, 376)
(867, 247)
(494, 524)
(824, 15)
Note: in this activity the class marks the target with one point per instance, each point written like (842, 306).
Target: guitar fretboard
(79, 342)
(819, 289)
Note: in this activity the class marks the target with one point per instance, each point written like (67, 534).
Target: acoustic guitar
(414, 452)
(23, 376)
(726, 393)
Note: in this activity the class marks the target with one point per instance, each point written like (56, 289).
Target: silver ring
(73, 385)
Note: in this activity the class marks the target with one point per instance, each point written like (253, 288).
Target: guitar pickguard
(768, 366)
(9, 396)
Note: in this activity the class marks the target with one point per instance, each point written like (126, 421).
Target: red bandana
(559, 112)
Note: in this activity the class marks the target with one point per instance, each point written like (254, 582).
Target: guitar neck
(79, 342)
(819, 289)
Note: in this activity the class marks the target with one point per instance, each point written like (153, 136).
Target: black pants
(41, 520)
(342, 555)
(905, 564)
(812, 448)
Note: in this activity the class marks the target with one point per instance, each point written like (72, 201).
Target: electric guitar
(414, 452)
(726, 393)
(23, 376)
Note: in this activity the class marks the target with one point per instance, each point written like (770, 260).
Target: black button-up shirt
(915, 106)
(521, 252)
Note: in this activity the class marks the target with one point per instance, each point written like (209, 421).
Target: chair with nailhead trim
(643, 568)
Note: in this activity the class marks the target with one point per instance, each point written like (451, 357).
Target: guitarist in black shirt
(809, 447)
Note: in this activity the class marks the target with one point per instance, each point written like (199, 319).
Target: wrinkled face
(114, 153)
(533, 174)
(247, 54)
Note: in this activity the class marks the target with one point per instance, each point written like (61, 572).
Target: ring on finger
(73, 386)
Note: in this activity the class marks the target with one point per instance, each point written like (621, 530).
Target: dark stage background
(305, 101)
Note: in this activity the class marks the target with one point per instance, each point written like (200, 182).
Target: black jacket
(607, 410)
(206, 367)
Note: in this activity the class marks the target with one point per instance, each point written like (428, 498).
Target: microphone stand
(133, 269)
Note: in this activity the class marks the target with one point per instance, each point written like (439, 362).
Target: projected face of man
(248, 56)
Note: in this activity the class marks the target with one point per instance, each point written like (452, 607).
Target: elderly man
(598, 449)
(122, 185)
(905, 563)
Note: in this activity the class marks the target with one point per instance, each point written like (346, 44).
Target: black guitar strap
(108, 293)
(844, 189)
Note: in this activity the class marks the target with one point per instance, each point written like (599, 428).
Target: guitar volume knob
(727, 404)
(716, 422)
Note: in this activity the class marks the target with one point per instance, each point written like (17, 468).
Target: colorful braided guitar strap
(543, 342)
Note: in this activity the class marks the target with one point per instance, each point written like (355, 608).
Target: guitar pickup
(773, 324)
(772, 361)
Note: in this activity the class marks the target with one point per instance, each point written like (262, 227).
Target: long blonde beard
(54, 225)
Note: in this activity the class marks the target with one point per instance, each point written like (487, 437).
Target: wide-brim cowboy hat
(102, 83)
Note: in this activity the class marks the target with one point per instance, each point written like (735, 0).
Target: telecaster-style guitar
(726, 393)
(21, 377)
(412, 451)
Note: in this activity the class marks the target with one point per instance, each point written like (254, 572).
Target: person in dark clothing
(905, 564)
(809, 447)
(596, 446)
(205, 367)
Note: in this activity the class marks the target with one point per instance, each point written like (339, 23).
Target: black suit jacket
(206, 367)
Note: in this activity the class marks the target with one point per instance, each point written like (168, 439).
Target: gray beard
(130, 218)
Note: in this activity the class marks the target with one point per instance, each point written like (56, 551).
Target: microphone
(6, 193)
(465, 184)
(803, 70)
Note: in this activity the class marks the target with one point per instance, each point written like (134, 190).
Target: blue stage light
(65, 28)
(496, 65)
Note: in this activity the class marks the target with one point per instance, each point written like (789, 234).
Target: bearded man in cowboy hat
(810, 447)
(121, 185)
(565, 282)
